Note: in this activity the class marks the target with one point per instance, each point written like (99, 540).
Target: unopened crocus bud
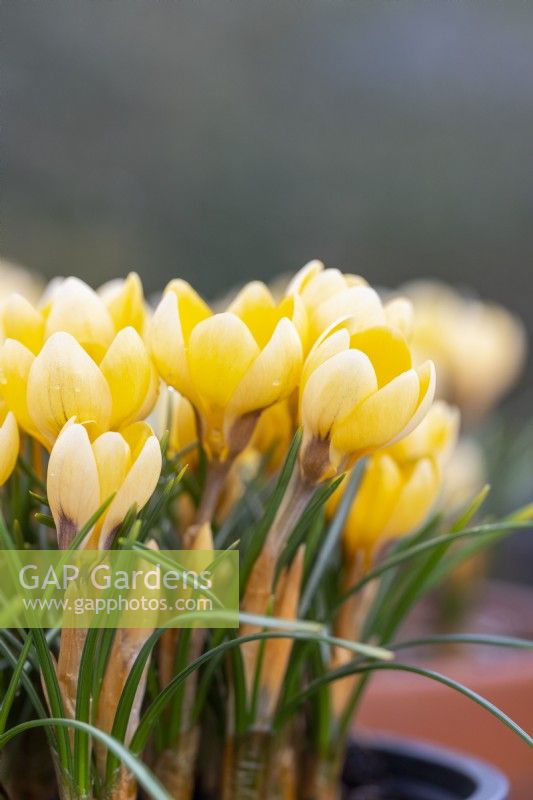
(82, 476)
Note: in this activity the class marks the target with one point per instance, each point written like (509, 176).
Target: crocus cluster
(80, 372)
(106, 400)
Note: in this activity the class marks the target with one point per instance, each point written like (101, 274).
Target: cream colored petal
(168, 346)
(72, 483)
(183, 429)
(418, 495)
(294, 309)
(77, 309)
(304, 276)
(338, 341)
(335, 388)
(273, 375)
(400, 315)
(9, 445)
(15, 364)
(435, 436)
(322, 287)
(136, 435)
(379, 418)
(359, 302)
(21, 321)
(221, 350)
(152, 394)
(136, 490)
(427, 381)
(192, 309)
(128, 370)
(113, 460)
(64, 382)
(125, 302)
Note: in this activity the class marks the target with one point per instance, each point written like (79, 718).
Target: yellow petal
(72, 483)
(427, 383)
(421, 484)
(136, 435)
(335, 389)
(273, 375)
(304, 276)
(15, 364)
(168, 345)
(379, 418)
(221, 350)
(125, 302)
(359, 302)
(9, 445)
(113, 460)
(387, 350)
(373, 505)
(256, 307)
(183, 431)
(323, 350)
(294, 309)
(77, 309)
(399, 314)
(22, 322)
(128, 371)
(192, 309)
(64, 382)
(435, 436)
(136, 490)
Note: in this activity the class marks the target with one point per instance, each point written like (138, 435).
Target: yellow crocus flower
(63, 381)
(479, 347)
(401, 484)
(230, 366)
(73, 358)
(330, 295)
(359, 393)
(83, 474)
(9, 443)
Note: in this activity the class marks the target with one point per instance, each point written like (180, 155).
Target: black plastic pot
(406, 770)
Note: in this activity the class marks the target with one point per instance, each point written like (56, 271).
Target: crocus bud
(400, 484)
(82, 476)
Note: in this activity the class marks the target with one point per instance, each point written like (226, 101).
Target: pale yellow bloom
(9, 443)
(124, 300)
(359, 393)
(401, 484)
(72, 359)
(330, 295)
(83, 475)
(479, 348)
(230, 366)
(464, 476)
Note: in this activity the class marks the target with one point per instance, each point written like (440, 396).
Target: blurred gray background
(225, 139)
